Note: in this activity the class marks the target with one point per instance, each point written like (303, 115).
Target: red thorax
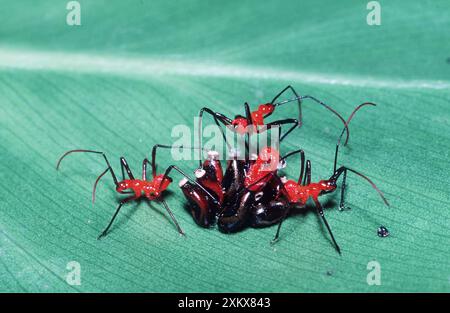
(150, 189)
(300, 194)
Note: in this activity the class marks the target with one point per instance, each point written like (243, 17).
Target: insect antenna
(109, 168)
(96, 182)
(371, 183)
(342, 169)
(346, 128)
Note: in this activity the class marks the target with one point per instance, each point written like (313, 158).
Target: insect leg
(342, 205)
(322, 215)
(302, 162)
(144, 169)
(122, 202)
(248, 116)
(283, 122)
(218, 117)
(172, 217)
(173, 167)
(288, 210)
(155, 147)
(307, 179)
(124, 165)
(321, 103)
(298, 98)
(277, 235)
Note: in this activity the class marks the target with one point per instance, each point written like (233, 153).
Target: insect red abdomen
(296, 193)
(155, 188)
(263, 111)
(267, 108)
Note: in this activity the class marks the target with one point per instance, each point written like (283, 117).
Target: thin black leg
(322, 215)
(173, 167)
(283, 122)
(342, 205)
(218, 117)
(114, 216)
(277, 235)
(124, 165)
(289, 205)
(321, 103)
(166, 206)
(307, 179)
(144, 177)
(299, 151)
(302, 162)
(144, 169)
(333, 111)
(336, 152)
(248, 116)
(289, 87)
(302, 167)
(295, 124)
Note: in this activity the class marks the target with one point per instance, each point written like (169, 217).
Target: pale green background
(135, 68)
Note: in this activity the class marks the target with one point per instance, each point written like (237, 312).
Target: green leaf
(134, 69)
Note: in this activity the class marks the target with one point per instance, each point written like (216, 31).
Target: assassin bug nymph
(245, 191)
(250, 194)
(254, 121)
(152, 189)
(297, 193)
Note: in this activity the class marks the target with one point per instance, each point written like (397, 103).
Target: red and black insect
(254, 121)
(243, 185)
(150, 189)
(252, 193)
(297, 193)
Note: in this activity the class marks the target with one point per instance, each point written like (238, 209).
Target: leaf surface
(134, 69)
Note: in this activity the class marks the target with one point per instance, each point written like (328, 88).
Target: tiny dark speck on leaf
(382, 231)
(329, 273)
